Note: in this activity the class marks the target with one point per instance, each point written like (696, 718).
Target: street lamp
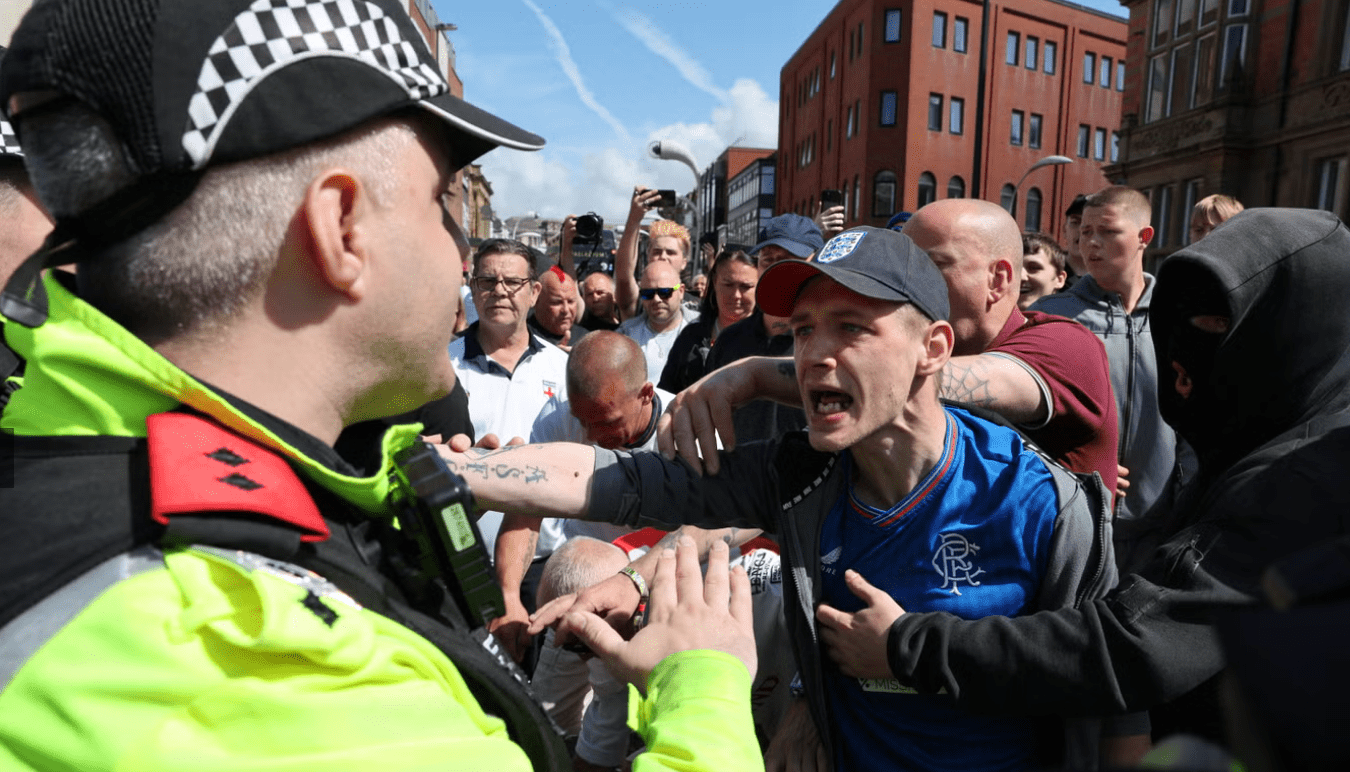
(1050, 160)
(673, 151)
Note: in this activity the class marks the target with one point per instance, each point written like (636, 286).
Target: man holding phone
(668, 242)
(832, 213)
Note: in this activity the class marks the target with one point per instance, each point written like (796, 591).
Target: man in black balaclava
(1250, 325)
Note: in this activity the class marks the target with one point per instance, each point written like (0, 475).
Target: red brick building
(1245, 97)
(900, 102)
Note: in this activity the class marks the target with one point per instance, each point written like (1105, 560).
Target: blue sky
(601, 80)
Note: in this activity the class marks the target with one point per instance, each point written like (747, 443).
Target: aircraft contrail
(563, 54)
(661, 44)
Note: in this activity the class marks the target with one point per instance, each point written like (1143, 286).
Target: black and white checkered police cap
(192, 83)
(9, 141)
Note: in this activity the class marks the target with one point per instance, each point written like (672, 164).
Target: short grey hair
(201, 264)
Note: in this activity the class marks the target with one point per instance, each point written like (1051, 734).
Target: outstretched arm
(542, 480)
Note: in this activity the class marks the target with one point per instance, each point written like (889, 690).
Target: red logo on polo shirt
(548, 390)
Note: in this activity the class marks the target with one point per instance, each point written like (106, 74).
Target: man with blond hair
(667, 242)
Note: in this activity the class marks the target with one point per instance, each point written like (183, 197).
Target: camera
(589, 228)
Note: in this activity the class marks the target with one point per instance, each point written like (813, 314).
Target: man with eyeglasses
(510, 373)
(660, 293)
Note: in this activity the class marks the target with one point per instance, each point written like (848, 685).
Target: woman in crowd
(729, 299)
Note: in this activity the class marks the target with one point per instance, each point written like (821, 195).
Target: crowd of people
(282, 487)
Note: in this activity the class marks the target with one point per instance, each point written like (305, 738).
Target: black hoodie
(1269, 417)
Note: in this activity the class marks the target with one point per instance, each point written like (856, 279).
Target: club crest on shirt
(550, 389)
(953, 562)
(840, 246)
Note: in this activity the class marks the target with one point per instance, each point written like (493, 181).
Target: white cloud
(563, 54)
(562, 180)
(661, 44)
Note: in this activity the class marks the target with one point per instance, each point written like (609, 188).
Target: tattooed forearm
(967, 384)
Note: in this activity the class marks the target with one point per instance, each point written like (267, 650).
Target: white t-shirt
(655, 345)
(507, 403)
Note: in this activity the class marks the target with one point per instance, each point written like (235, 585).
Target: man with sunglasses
(661, 295)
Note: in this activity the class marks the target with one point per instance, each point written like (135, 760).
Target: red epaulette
(198, 467)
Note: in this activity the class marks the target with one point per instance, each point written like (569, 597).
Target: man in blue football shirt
(938, 508)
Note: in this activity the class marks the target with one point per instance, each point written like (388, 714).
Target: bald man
(556, 311)
(661, 296)
(611, 403)
(597, 293)
(1049, 378)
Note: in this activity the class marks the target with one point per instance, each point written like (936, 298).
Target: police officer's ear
(331, 217)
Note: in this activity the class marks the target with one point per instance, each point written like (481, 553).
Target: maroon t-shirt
(1082, 432)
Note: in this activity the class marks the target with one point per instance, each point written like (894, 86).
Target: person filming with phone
(668, 241)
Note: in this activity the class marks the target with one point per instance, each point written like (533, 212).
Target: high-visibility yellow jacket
(210, 659)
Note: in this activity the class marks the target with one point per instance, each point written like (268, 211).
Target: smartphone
(831, 197)
(667, 198)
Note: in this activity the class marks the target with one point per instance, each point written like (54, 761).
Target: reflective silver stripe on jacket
(28, 632)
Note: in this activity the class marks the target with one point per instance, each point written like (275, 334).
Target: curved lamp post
(1050, 160)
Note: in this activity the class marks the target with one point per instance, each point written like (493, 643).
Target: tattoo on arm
(788, 370)
(967, 384)
(477, 466)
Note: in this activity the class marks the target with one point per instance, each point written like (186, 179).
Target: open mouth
(830, 402)
(1024, 288)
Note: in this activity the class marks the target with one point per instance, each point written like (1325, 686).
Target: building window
(1105, 80)
(1209, 12)
(1033, 218)
(1083, 132)
(956, 123)
(857, 194)
(1032, 52)
(1014, 47)
(832, 65)
(1115, 146)
(1164, 210)
(935, 112)
(861, 39)
(960, 28)
(1330, 173)
(843, 186)
(892, 25)
(939, 30)
(927, 189)
(888, 99)
(1099, 144)
(1191, 195)
(1180, 90)
(883, 194)
(1051, 52)
(1089, 67)
(1234, 51)
(1345, 42)
(1120, 75)
(1237, 8)
(1008, 198)
(848, 126)
(956, 188)
(766, 181)
(1162, 22)
(1185, 18)
(1015, 135)
(1155, 103)
(1202, 80)
(1034, 131)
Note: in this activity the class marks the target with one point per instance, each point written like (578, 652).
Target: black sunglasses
(663, 292)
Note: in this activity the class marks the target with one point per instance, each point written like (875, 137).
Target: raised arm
(565, 239)
(625, 259)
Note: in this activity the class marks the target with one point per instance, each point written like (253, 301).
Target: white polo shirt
(557, 424)
(507, 403)
(655, 345)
